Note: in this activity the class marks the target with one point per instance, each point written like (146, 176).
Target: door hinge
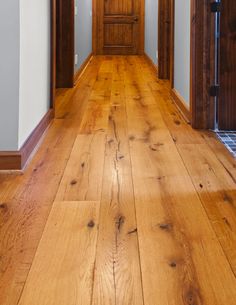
(215, 7)
(214, 90)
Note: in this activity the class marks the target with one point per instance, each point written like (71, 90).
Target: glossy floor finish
(123, 204)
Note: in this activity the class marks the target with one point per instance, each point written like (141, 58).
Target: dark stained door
(227, 66)
(120, 26)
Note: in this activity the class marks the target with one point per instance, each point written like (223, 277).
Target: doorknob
(136, 19)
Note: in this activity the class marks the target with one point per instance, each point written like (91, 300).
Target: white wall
(151, 29)
(182, 49)
(9, 74)
(83, 31)
(34, 65)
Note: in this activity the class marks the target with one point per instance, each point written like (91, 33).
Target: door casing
(164, 38)
(202, 72)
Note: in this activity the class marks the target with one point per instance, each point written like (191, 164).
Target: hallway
(123, 203)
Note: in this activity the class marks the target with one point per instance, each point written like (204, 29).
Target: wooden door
(227, 66)
(120, 27)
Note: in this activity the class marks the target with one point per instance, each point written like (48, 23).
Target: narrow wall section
(151, 29)
(83, 31)
(182, 49)
(9, 74)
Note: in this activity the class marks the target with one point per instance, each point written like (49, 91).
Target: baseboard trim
(16, 160)
(82, 68)
(152, 64)
(181, 105)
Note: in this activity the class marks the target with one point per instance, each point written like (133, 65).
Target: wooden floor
(123, 204)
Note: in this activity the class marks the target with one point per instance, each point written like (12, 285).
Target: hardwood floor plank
(62, 271)
(82, 179)
(217, 191)
(166, 194)
(28, 198)
(117, 277)
(183, 252)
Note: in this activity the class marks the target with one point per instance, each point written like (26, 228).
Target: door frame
(202, 66)
(65, 43)
(166, 39)
(201, 112)
(96, 20)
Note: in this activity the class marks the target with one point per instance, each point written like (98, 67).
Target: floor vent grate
(228, 138)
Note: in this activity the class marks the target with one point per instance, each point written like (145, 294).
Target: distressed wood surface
(131, 205)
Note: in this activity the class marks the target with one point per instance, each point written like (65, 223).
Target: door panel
(119, 26)
(227, 68)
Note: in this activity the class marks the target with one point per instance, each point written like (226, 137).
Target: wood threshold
(16, 160)
(181, 105)
(82, 68)
(152, 64)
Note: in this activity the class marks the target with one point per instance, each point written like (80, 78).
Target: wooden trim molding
(172, 42)
(152, 64)
(65, 43)
(202, 64)
(53, 53)
(181, 105)
(81, 69)
(16, 160)
(164, 38)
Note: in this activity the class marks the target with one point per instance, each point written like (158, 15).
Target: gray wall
(34, 65)
(9, 74)
(182, 49)
(24, 69)
(83, 31)
(151, 25)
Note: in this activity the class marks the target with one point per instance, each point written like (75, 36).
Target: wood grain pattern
(26, 199)
(216, 190)
(63, 266)
(169, 210)
(139, 208)
(117, 276)
(82, 179)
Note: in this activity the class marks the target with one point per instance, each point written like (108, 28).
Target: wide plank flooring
(123, 203)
